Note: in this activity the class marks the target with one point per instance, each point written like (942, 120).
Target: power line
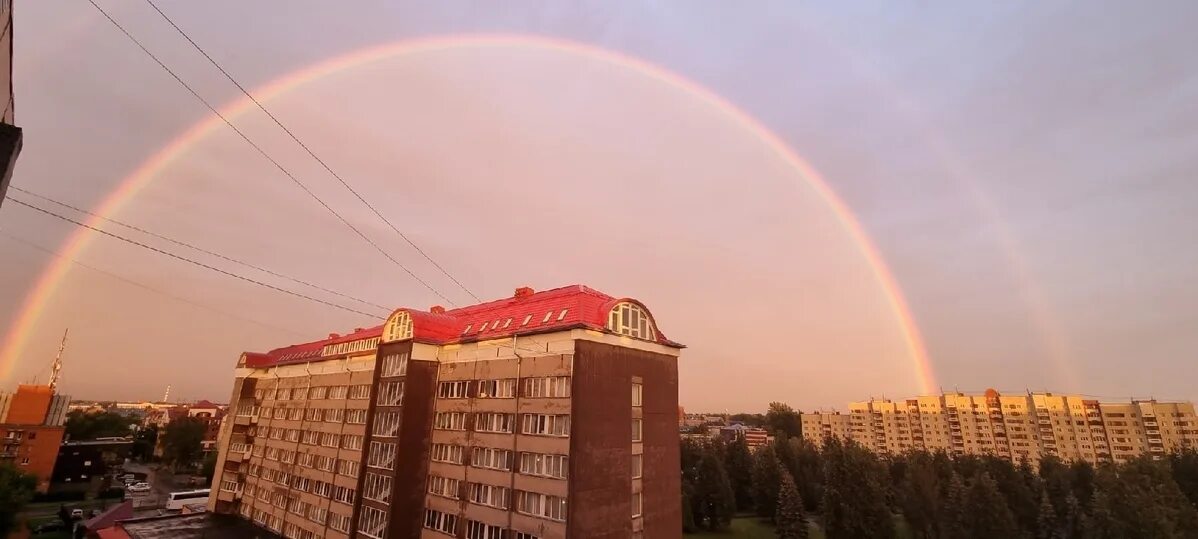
(189, 260)
(143, 286)
(267, 155)
(309, 150)
(199, 249)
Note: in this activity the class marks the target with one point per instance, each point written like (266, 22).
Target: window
(300, 483)
(229, 486)
(544, 465)
(318, 515)
(443, 486)
(637, 466)
(329, 439)
(497, 389)
(326, 464)
(272, 453)
(453, 390)
(548, 315)
(356, 416)
(283, 394)
(632, 320)
(450, 421)
(390, 393)
(446, 453)
(259, 394)
(524, 535)
(637, 393)
(487, 457)
(478, 530)
(546, 424)
(372, 523)
(382, 455)
(526, 319)
(398, 328)
(493, 422)
(541, 505)
(359, 392)
(318, 393)
(292, 435)
(553, 386)
(637, 508)
(442, 522)
(343, 495)
(377, 487)
(348, 468)
(636, 429)
(394, 364)
(295, 414)
(338, 392)
(489, 495)
(334, 415)
(351, 441)
(295, 506)
(339, 522)
(386, 424)
(311, 437)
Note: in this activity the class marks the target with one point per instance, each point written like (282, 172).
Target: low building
(754, 437)
(82, 465)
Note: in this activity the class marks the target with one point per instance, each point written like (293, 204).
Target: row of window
(528, 463)
(505, 388)
(350, 347)
(348, 468)
(495, 325)
(311, 437)
(533, 424)
(315, 514)
(448, 524)
(316, 415)
(360, 391)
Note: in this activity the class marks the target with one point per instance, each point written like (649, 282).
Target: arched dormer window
(398, 327)
(632, 320)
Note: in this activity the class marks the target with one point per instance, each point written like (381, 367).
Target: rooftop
(187, 526)
(524, 313)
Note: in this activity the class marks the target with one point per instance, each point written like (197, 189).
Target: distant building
(1016, 427)
(10, 134)
(754, 437)
(31, 429)
(819, 426)
(82, 465)
(543, 415)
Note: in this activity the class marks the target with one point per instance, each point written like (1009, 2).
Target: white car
(139, 487)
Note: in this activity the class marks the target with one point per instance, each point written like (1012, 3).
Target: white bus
(177, 500)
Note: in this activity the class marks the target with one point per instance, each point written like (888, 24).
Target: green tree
(82, 425)
(713, 502)
(688, 513)
(808, 473)
(739, 464)
(749, 420)
(182, 441)
(208, 469)
(987, 514)
(16, 489)
(1017, 490)
(782, 419)
(1075, 518)
(953, 516)
(854, 504)
(767, 476)
(791, 523)
(144, 443)
(1184, 464)
(1143, 501)
(1046, 524)
(918, 491)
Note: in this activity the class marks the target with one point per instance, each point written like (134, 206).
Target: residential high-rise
(543, 415)
(1016, 427)
(10, 134)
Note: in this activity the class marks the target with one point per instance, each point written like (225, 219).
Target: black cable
(143, 286)
(199, 249)
(266, 155)
(189, 260)
(309, 150)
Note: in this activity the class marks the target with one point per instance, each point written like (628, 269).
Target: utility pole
(58, 362)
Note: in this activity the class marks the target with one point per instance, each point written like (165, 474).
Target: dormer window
(632, 320)
(398, 328)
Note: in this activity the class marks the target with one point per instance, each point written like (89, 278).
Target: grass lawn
(751, 527)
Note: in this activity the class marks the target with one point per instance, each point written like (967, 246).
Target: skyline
(1061, 224)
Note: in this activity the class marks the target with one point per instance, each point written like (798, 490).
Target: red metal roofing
(568, 307)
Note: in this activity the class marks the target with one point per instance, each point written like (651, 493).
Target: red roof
(524, 313)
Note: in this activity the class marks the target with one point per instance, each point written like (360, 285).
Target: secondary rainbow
(38, 298)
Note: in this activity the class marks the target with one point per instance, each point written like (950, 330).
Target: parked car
(139, 487)
(76, 513)
(52, 526)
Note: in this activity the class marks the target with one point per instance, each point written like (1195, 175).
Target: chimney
(436, 309)
(333, 335)
(523, 291)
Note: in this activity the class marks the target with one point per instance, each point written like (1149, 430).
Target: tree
(782, 419)
(953, 518)
(713, 502)
(1046, 524)
(739, 464)
(182, 441)
(1184, 464)
(144, 443)
(767, 476)
(688, 514)
(209, 467)
(82, 425)
(808, 472)
(987, 514)
(16, 489)
(919, 493)
(749, 420)
(854, 504)
(791, 522)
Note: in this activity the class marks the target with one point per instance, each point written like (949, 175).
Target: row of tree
(852, 492)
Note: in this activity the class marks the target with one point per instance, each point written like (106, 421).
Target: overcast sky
(1026, 170)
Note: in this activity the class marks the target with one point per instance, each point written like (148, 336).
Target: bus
(176, 500)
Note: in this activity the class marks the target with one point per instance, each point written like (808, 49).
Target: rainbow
(38, 298)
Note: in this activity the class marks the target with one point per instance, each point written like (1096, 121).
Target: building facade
(544, 415)
(31, 429)
(1017, 427)
(10, 134)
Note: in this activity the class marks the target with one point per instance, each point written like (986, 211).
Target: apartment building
(31, 429)
(543, 415)
(1016, 427)
(10, 135)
